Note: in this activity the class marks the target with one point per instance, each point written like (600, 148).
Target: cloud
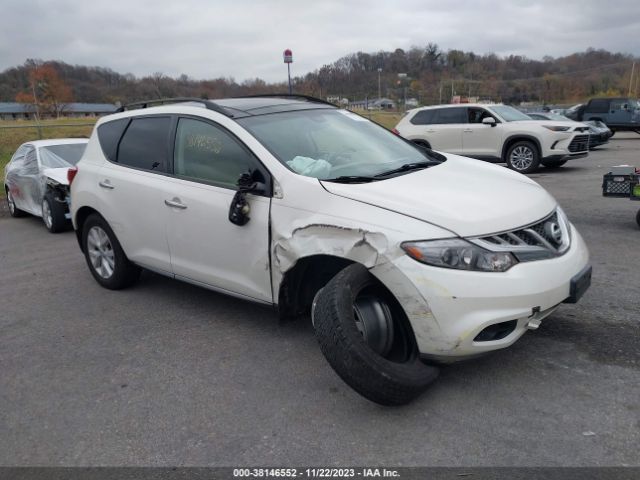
(245, 39)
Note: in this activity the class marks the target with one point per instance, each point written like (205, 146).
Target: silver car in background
(36, 180)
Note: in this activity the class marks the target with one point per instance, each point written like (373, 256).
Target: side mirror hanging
(239, 209)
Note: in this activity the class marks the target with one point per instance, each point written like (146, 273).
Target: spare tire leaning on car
(367, 339)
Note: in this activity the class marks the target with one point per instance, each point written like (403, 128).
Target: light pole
(379, 90)
(287, 55)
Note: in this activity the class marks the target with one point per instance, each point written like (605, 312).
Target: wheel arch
(509, 141)
(81, 216)
(304, 279)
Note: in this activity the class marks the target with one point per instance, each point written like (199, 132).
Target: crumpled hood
(468, 197)
(57, 174)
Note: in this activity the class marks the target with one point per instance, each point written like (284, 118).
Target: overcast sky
(245, 38)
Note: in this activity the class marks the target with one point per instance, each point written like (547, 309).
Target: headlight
(555, 128)
(459, 254)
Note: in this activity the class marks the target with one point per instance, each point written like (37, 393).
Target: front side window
(145, 144)
(477, 115)
(331, 143)
(205, 152)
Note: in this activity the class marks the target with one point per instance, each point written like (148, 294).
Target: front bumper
(449, 308)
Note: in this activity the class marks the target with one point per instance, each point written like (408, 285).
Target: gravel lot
(170, 374)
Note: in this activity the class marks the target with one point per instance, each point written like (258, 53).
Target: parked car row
(619, 114)
(396, 251)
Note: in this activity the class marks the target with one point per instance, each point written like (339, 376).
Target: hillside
(432, 74)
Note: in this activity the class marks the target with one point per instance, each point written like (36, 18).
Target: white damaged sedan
(36, 180)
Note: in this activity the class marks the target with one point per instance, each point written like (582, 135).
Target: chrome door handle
(468, 130)
(175, 203)
(106, 184)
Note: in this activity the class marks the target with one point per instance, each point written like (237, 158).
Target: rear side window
(145, 144)
(598, 106)
(109, 135)
(450, 115)
(423, 117)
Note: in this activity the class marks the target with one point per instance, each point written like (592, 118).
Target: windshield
(61, 156)
(509, 114)
(331, 143)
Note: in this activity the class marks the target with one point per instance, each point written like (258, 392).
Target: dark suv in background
(619, 114)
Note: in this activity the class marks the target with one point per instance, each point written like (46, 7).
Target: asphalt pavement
(166, 373)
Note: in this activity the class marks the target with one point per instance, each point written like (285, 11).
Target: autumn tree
(48, 93)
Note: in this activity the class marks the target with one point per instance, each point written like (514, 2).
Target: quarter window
(145, 144)
(109, 134)
(423, 117)
(207, 153)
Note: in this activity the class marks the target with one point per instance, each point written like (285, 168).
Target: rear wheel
(53, 214)
(553, 163)
(523, 157)
(106, 260)
(638, 218)
(11, 204)
(367, 339)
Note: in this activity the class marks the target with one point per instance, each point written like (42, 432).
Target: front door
(205, 246)
(480, 139)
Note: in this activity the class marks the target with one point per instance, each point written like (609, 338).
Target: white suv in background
(498, 133)
(293, 203)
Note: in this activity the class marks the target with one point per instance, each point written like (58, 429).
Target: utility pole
(440, 102)
(287, 55)
(633, 67)
(379, 89)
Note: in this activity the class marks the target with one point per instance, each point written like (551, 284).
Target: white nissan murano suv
(399, 252)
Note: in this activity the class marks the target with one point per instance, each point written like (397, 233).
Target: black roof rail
(210, 105)
(309, 98)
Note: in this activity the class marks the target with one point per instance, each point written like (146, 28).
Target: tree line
(431, 75)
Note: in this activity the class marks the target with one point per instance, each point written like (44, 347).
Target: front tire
(53, 215)
(523, 157)
(106, 260)
(638, 218)
(366, 338)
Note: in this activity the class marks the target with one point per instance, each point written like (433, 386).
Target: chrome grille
(580, 143)
(546, 238)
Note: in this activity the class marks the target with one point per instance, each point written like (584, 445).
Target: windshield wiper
(407, 167)
(350, 179)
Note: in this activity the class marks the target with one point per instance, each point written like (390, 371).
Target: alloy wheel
(46, 214)
(521, 157)
(100, 252)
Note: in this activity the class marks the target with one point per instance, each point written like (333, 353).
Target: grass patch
(12, 138)
(387, 119)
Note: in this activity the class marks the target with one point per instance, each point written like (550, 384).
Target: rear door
(206, 248)
(445, 131)
(131, 186)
